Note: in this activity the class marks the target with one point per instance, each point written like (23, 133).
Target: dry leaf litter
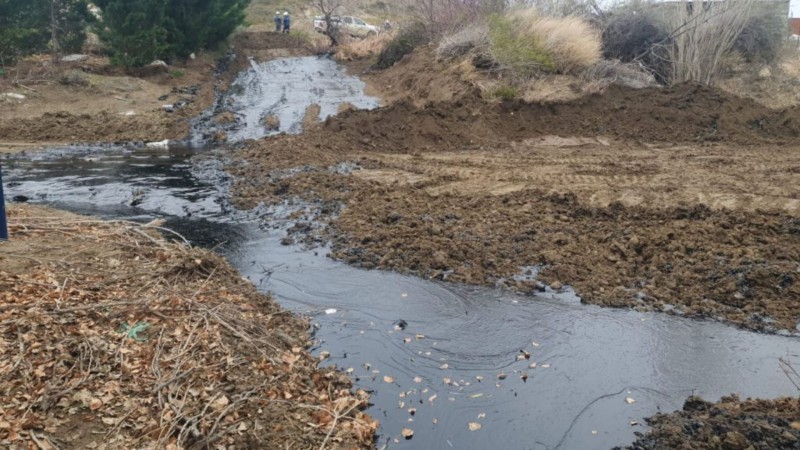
(112, 337)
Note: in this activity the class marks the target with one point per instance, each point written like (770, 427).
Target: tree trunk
(54, 30)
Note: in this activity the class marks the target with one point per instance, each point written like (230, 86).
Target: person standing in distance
(287, 22)
(278, 21)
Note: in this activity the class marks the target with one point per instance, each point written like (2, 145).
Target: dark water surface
(589, 360)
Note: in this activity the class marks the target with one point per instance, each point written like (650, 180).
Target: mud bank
(472, 192)
(112, 337)
(106, 104)
(730, 424)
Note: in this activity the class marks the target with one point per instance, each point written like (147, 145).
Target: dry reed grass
(570, 41)
(353, 48)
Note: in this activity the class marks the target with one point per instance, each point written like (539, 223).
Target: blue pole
(3, 225)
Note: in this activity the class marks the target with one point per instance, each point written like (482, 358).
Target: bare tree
(54, 30)
(328, 8)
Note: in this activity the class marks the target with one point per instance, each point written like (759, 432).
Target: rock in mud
(272, 123)
(75, 58)
(225, 118)
(220, 136)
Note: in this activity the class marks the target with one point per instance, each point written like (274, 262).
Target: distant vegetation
(38, 26)
(134, 32)
(139, 31)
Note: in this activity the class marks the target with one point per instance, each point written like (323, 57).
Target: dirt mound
(417, 78)
(100, 127)
(686, 113)
(111, 337)
(673, 260)
(729, 424)
(682, 114)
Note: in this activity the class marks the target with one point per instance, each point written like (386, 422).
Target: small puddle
(456, 341)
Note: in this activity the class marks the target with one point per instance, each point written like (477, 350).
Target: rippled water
(588, 359)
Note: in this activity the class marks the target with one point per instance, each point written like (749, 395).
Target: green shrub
(140, 31)
(193, 25)
(523, 53)
(26, 27)
(177, 73)
(404, 43)
(134, 31)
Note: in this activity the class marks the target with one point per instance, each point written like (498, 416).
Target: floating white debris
(158, 144)
(12, 96)
(330, 311)
(75, 58)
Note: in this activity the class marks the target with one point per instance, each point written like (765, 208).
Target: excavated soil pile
(417, 77)
(682, 114)
(741, 267)
(730, 424)
(100, 127)
(111, 337)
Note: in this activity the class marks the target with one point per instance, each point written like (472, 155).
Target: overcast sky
(795, 8)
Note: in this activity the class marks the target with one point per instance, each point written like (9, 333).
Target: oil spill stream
(454, 344)
(283, 89)
(457, 339)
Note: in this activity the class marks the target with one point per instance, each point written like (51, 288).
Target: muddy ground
(112, 337)
(93, 101)
(730, 424)
(683, 199)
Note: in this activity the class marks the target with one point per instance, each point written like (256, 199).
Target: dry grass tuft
(353, 48)
(462, 42)
(608, 71)
(525, 43)
(570, 41)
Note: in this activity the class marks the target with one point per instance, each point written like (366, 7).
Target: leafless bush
(703, 33)
(328, 9)
(607, 72)
(761, 39)
(402, 44)
(442, 17)
(561, 8)
(462, 42)
(633, 33)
